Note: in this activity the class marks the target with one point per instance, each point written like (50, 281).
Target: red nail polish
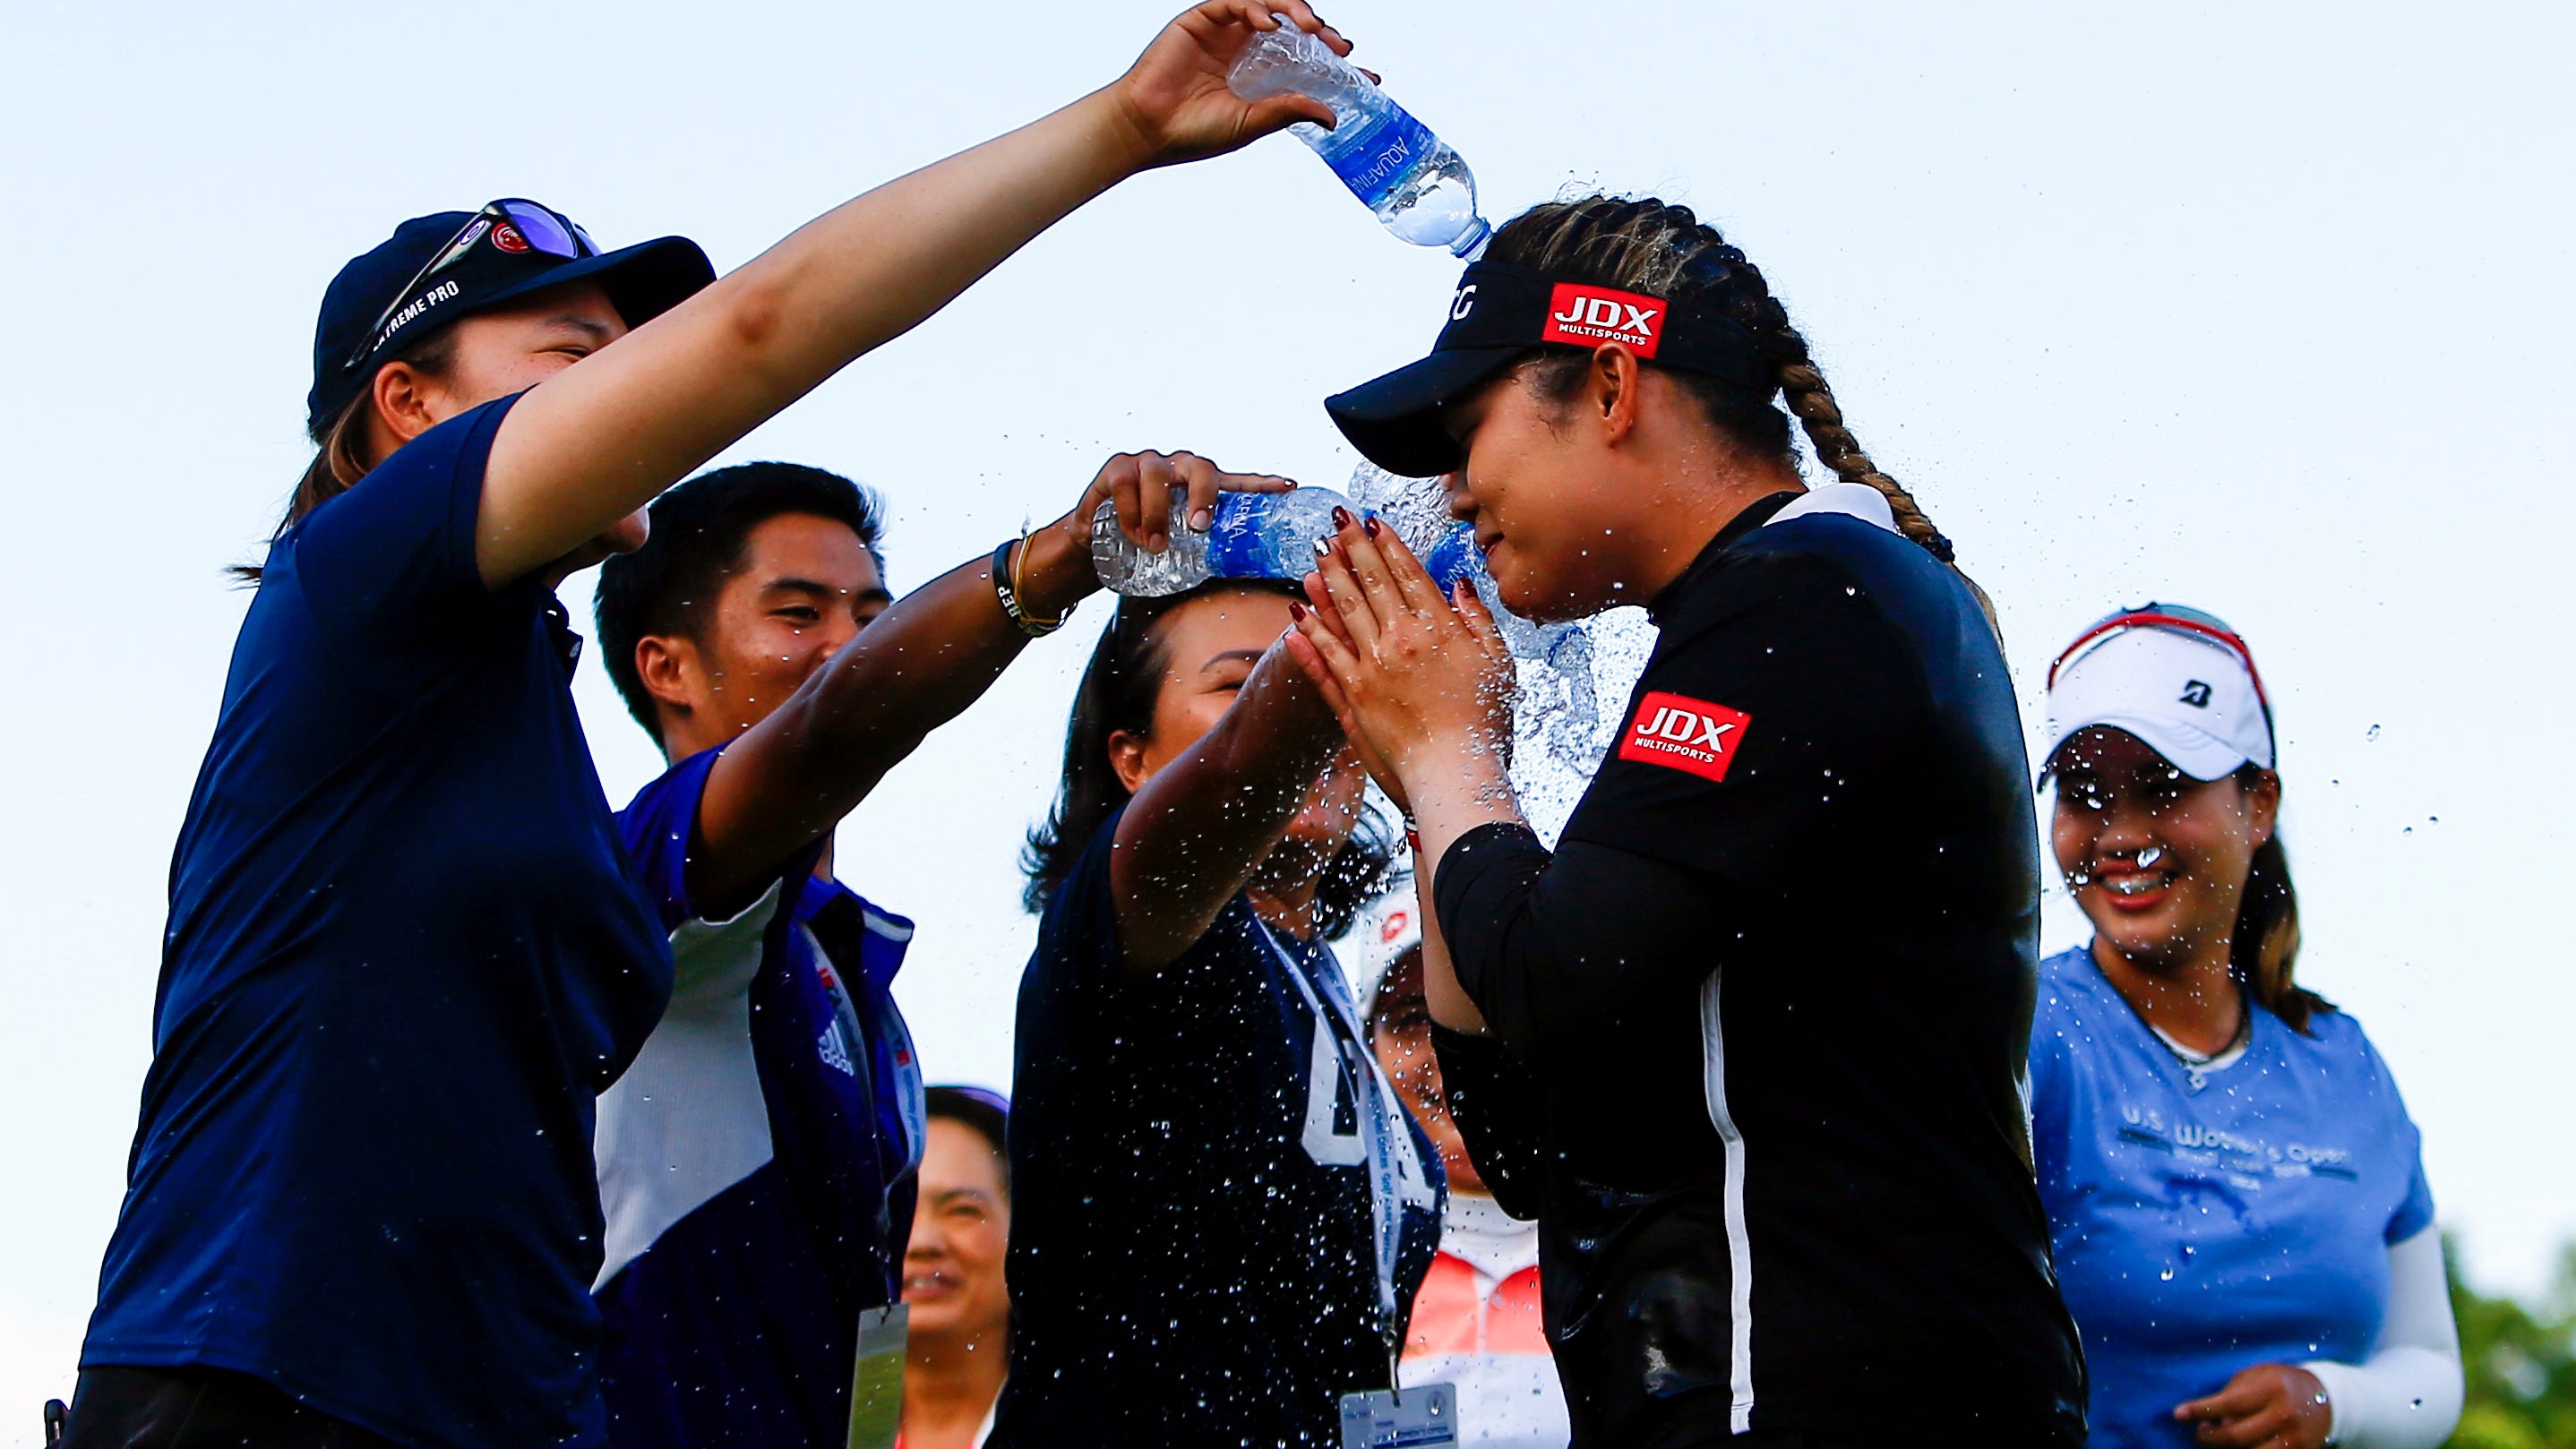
(1341, 516)
(1296, 611)
(1371, 526)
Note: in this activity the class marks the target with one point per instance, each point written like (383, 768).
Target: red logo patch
(1588, 316)
(507, 238)
(1690, 735)
(1396, 921)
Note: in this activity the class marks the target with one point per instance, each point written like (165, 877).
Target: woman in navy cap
(403, 951)
(2236, 1191)
(1797, 906)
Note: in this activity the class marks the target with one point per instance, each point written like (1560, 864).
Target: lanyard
(1395, 1174)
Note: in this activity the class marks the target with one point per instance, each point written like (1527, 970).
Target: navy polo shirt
(405, 952)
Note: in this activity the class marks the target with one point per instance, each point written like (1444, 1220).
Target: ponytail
(2264, 951)
(340, 444)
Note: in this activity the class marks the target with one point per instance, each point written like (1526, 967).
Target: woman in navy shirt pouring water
(1224, 1210)
(2236, 1192)
(403, 951)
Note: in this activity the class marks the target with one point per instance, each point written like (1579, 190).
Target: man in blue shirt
(755, 1163)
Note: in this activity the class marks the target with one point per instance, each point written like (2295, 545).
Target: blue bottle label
(1234, 548)
(1380, 153)
(1453, 557)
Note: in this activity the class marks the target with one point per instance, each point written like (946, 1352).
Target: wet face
(952, 1268)
(2157, 859)
(1533, 489)
(1210, 645)
(1400, 1034)
(806, 587)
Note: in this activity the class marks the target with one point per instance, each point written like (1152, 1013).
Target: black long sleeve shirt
(1758, 1027)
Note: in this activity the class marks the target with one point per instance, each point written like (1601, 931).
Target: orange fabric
(1449, 1317)
(1512, 1316)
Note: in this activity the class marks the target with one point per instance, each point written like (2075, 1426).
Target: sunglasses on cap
(512, 224)
(2178, 617)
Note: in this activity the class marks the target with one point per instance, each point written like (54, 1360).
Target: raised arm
(1197, 830)
(789, 779)
(601, 438)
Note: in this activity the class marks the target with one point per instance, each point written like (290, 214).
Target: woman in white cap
(2236, 1195)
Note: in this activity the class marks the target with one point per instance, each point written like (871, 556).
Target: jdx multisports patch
(1588, 316)
(1685, 734)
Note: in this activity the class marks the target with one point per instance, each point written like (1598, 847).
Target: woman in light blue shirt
(2235, 1192)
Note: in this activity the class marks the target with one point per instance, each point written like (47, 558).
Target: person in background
(404, 951)
(755, 1163)
(2237, 1196)
(1476, 1319)
(953, 1273)
(1225, 1211)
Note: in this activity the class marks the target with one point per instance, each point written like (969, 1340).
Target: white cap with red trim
(2179, 679)
(1391, 926)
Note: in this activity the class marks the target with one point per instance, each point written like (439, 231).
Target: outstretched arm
(599, 439)
(789, 779)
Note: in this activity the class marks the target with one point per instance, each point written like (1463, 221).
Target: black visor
(1501, 311)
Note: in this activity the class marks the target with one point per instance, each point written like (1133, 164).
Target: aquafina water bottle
(1265, 536)
(1416, 185)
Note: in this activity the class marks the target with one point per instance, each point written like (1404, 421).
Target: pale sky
(2262, 309)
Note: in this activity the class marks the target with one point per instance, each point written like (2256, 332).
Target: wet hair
(1663, 250)
(2264, 951)
(340, 441)
(978, 1112)
(700, 532)
(1117, 693)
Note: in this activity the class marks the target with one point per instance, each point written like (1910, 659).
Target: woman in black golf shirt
(1798, 904)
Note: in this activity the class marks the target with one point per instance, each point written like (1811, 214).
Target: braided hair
(1662, 249)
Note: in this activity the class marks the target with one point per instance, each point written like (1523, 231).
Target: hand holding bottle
(1174, 104)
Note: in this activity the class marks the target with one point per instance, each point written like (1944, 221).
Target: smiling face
(1533, 488)
(2157, 859)
(805, 586)
(952, 1268)
(1594, 480)
(1210, 644)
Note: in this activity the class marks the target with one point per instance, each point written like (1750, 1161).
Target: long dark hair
(2264, 951)
(1662, 249)
(1117, 694)
(340, 441)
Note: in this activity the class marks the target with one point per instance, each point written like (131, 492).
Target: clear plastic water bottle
(1263, 536)
(1416, 185)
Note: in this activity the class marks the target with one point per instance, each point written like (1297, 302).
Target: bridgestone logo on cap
(1681, 733)
(1588, 316)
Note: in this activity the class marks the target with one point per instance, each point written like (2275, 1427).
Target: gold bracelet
(1007, 562)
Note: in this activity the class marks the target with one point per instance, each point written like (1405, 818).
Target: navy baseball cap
(1500, 312)
(503, 252)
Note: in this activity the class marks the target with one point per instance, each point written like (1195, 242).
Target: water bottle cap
(1470, 244)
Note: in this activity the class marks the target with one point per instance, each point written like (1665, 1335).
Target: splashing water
(1560, 729)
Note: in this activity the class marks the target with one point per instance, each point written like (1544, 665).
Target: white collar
(1853, 500)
